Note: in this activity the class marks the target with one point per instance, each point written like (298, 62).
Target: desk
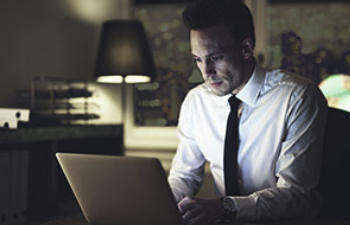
(45, 184)
(67, 213)
(57, 133)
(78, 219)
(71, 215)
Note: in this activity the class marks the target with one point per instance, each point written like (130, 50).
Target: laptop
(120, 190)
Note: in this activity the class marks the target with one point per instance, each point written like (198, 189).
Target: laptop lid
(120, 190)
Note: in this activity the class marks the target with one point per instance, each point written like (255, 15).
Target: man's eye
(216, 58)
(197, 60)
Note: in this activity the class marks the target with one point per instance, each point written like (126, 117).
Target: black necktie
(231, 149)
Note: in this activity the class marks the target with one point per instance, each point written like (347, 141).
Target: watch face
(230, 210)
(228, 204)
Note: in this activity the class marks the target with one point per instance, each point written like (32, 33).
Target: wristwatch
(229, 209)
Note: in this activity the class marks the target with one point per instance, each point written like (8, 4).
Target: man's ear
(247, 48)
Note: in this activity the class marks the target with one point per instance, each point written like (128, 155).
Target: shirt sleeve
(187, 170)
(297, 168)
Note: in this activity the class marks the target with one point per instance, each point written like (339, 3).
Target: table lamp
(124, 55)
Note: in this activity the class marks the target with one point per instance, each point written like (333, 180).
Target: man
(281, 122)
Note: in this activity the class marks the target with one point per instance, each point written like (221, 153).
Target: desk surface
(69, 213)
(37, 134)
(78, 219)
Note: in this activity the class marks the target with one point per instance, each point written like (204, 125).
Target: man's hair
(234, 14)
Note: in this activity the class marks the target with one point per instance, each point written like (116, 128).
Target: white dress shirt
(281, 129)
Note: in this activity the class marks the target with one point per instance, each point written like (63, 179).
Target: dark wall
(52, 38)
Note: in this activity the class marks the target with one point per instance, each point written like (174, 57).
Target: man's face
(219, 59)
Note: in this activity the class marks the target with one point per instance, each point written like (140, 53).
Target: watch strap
(229, 210)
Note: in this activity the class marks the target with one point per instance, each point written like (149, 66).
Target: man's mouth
(215, 84)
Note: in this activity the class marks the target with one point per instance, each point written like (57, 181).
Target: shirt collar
(249, 94)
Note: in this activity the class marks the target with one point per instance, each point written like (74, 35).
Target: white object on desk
(9, 117)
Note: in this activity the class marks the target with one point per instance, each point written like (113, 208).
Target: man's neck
(248, 70)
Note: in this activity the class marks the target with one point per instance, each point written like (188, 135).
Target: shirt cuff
(245, 206)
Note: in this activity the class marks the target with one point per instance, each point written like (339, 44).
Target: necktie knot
(234, 103)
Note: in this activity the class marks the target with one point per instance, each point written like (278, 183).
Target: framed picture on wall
(158, 103)
(143, 2)
(307, 1)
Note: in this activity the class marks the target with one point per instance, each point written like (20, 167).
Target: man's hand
(200, 212)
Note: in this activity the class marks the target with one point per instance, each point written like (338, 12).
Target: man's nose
(209, 69)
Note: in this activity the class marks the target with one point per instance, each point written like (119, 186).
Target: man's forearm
(182, 187)
(179, 188)
(273, 204)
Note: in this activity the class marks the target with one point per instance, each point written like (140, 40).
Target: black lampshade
(124, 54)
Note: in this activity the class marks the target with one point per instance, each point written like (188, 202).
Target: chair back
(335, 170)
